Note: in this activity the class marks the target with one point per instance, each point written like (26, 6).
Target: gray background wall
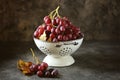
(98, 19)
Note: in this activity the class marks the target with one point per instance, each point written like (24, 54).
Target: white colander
(58, 53)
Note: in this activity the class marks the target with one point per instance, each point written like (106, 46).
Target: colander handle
(72, 43)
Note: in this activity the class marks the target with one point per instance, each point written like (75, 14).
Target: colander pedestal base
(59, 61)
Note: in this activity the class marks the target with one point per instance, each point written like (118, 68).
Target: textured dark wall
(98, 19)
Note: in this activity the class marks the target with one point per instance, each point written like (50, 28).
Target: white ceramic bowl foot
(59, 61)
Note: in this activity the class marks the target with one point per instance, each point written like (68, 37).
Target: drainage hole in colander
(66, 47)
(44, 49)
(62, 53)
(65, 51)
(63, 48)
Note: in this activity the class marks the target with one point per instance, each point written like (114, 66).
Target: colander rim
(57, 42)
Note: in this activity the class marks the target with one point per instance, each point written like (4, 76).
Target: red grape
(33, 68)
(52, 35)
(44, 26)
(40, 73)
(60, 37)
(41, 30)
(65, 18)
(67, 23)
(74, 36)
(62, 28)
(54, 73)
(47, 20)
(55, 40)
(65, 38)
(77, 28)
(77, 33)
(45, 65)
(57, 20)
(69, 36)
(36, 34)
(47, 73)
(53, 30)
(41, 68)
(57, 30)
(49, 27)
(54, 22)
(70, 30)
(61, 22)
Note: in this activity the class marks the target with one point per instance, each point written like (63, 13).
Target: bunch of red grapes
(42, 71)
(58, 29)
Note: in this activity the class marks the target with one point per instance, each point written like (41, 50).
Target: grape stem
(57, 11)
(54, 13)
(34, 57)
(51, 13)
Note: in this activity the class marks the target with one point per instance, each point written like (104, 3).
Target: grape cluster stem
(54, 13)
(34, 57)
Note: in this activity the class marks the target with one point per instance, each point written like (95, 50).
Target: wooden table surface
(95, 60)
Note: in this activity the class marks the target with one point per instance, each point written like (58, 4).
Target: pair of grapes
(58, 29)
(42, 71)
